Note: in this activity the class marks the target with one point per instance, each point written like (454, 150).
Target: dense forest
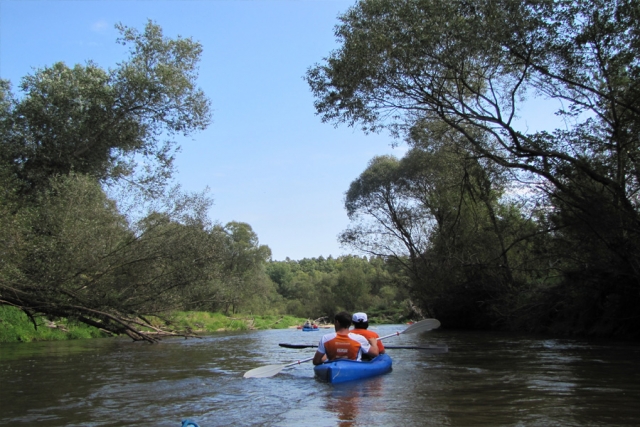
(496, 225)
(481, 223)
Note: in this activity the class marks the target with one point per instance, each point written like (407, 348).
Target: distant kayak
(308, 328)
(342, 370)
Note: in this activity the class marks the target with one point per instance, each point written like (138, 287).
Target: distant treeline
(320, 287)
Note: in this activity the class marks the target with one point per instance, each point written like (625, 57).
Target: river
(486, 379)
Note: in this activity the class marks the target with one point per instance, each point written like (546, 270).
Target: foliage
(243, 280)
(438, 215)
(68, 252)
(318, 288)
(15, 326)
(427, 69)
(102, 122)
(75, 257)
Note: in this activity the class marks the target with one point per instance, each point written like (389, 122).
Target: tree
(280, 274)
(352, 288)
(438, 215)
(100, 122)
(414, 64)
(76, 257)
(67, 250)
(243, 266)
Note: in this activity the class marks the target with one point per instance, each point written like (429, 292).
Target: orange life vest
(369, 334)
(343, 346)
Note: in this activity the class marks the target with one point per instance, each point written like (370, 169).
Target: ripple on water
(485, 379)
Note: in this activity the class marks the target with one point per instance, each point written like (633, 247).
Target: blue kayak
(342, 370)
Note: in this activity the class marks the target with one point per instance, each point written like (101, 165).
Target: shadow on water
(486, 379)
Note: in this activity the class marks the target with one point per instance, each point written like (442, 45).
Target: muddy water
(486, 379)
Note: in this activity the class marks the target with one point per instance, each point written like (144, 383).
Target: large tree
(439, 215)
(244, 281)
(102, 122)
(67, 250)
(414, 64)
(76, 257)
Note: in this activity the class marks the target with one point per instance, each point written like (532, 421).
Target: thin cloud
(99, 26)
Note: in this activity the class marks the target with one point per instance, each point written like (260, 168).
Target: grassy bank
(15, 326)
(206, 322)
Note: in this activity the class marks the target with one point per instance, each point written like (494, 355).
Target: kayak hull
(339, 371)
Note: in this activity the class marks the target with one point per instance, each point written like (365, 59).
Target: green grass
(277, 322)
(205, 322)
(15, 326)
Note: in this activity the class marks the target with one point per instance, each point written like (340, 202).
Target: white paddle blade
(271, 370)
(264, 371)
(422, 326)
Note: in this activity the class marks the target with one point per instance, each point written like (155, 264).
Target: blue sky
(267, 158)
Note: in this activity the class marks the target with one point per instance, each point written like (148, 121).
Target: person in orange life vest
(360, 325)
(342, 344)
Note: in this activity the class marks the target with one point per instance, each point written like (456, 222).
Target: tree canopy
(100, 122)
(67, 250)
(426, 69)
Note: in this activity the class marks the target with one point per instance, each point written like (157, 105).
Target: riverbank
(15, 325)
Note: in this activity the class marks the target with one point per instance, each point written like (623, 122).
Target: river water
(486, 379)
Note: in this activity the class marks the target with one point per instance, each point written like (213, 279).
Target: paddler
(360, 325)
(343, 343)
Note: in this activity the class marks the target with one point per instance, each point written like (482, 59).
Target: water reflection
(345, 405)
(496, 379)
(348, 400)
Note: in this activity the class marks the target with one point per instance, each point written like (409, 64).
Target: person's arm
(319, 358)
(380, 345)
(373, 348)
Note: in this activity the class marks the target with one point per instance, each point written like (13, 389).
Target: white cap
(359, 317)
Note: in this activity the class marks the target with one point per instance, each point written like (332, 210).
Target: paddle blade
(264, 371)
(271, 370)
(422, 326)
(285, 345)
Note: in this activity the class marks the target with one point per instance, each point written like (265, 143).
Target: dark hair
(344, 319)
(361, 325)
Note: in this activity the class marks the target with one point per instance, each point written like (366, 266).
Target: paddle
(421, 326)
(434, 348)
(271, 370)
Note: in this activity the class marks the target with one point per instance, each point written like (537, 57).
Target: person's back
(360, 325)
(341, 346)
